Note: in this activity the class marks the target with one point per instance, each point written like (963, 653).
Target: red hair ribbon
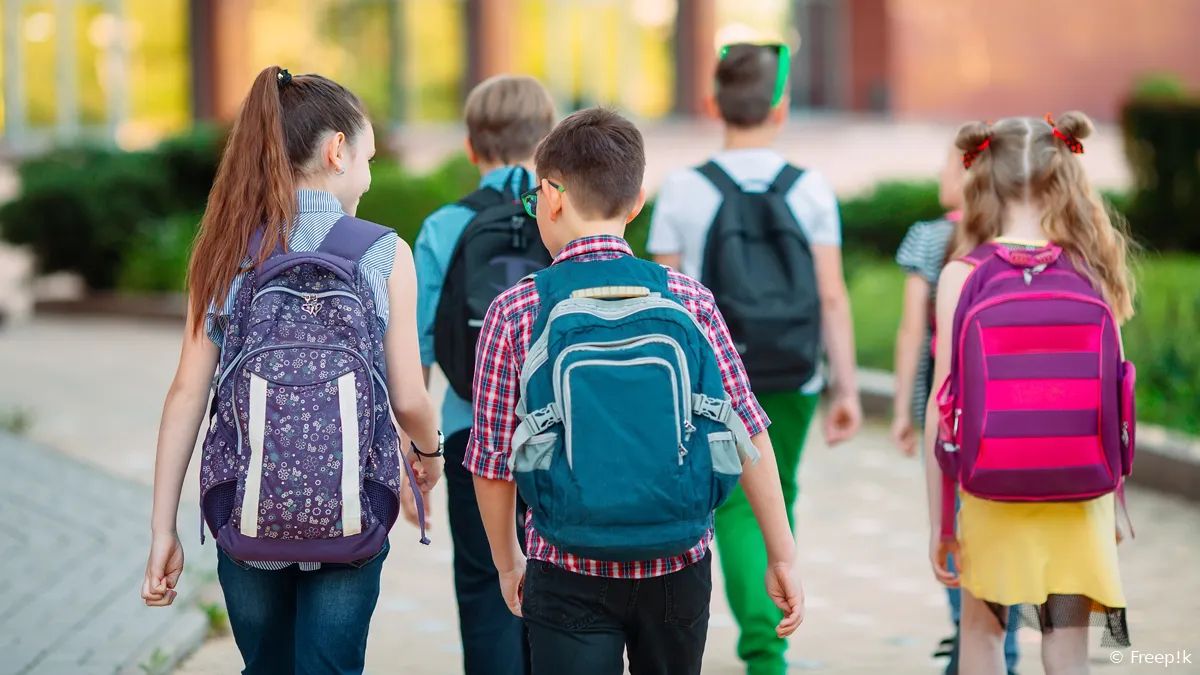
(1072, 144)
(970, 155)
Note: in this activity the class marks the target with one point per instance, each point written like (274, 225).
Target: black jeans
(494, 641)
(582, 625)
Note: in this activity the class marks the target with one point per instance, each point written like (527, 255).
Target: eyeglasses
(529, 197)
(782, 52)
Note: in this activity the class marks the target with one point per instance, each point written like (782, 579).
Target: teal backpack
(628, 441)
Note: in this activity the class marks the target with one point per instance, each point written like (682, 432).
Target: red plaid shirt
(503, 342)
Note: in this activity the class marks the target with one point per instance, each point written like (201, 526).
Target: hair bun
(971, 135)
(1075, 124)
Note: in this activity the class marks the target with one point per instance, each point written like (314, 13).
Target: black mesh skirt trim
(1069, 611)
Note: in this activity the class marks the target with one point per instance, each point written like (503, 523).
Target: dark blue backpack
(628, 441)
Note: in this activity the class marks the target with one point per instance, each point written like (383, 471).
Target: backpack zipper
(629, 343)
(517, 226)
(306, 296)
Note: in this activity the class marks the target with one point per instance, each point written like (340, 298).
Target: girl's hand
(162, 570)
(904, 436)
(785, 590)
(939, 556)
(428, 471)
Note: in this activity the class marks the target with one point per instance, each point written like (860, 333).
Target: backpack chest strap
(722, 412)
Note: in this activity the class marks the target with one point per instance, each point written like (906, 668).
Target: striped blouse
(316, 213)
(922, 253)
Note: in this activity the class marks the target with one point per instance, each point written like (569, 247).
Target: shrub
(1162, 144)
(81, 209)
(157, 259)
(876, 221)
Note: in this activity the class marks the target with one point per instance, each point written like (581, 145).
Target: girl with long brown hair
(295, 166)
(1054, 562)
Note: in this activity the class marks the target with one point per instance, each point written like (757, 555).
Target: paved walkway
(96, 390)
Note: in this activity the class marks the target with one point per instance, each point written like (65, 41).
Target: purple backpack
(1039, 404)
(301, 462)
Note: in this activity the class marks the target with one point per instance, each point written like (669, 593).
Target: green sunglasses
(529, 197)
(782, 52)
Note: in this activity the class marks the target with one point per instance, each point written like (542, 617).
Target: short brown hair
(746, 85)
(506, 116)
(600, 159)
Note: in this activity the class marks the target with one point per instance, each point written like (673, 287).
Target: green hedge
(1160, 340)
(84, 209)
(1162, 141)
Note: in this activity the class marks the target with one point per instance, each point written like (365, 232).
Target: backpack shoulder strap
(350, 237)
(787, 177)
(721, 180)
(481, 199)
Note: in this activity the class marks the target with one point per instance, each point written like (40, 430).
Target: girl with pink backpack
(1033, 423)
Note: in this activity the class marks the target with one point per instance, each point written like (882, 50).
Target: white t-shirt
(687, 203)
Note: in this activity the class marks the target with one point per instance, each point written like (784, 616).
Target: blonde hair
(507, 116)
(1024, 161)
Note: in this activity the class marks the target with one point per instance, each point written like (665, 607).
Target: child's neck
(755, 138)
(592, 228)
(1024, 221)
(487, 167)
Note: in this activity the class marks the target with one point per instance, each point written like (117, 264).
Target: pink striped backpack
(1039, 405)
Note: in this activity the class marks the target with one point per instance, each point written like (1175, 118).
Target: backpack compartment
(622, 468)
(1037, 401)
(308, 429)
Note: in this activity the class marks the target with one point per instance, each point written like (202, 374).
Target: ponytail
(254, 188)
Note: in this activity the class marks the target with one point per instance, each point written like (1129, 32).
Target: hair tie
(970, 155)
(284, 77)
(1072, 144)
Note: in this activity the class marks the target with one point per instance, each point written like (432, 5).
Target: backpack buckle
(543, 418)
(714, 409)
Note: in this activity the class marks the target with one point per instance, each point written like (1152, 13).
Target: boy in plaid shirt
(582, 615)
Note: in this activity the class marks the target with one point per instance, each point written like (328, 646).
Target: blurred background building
(132, 71)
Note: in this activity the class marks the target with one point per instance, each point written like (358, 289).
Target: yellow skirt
(1056, 560)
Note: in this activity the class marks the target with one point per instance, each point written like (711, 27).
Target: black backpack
(759, 267)
(499, 247)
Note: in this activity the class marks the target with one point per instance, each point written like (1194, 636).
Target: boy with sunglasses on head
(609, 391)
(765, 237)
(465, 254)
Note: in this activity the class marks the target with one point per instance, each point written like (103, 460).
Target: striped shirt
(503, 343)
(922, 253)
(316, 212)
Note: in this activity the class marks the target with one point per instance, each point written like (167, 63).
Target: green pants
(740, 542)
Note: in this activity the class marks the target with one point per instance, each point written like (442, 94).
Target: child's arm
(760, 481)
(496, 391)
(837, 327)
(183, 412)
(910, 339)
(949, 288)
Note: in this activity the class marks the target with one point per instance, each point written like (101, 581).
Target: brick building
(132, 71)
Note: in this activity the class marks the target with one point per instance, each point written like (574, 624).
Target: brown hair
(507, 115)
(1025, 161)
(746, 85)
(273, 141)
(599, 158)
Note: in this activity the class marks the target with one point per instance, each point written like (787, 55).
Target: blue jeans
(289, 622)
